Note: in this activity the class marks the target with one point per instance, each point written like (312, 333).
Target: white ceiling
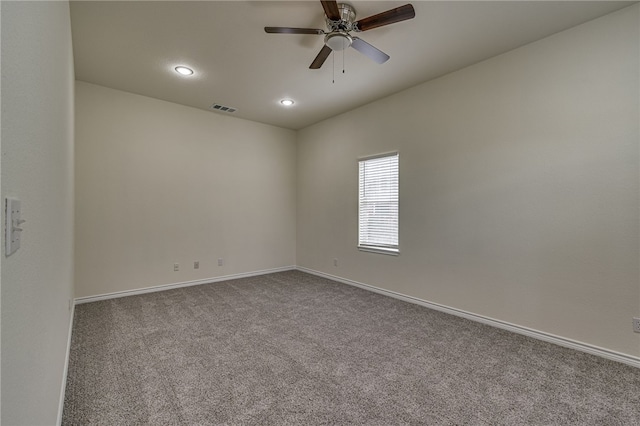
(135, 45)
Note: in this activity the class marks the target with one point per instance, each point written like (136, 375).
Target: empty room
(320, 212)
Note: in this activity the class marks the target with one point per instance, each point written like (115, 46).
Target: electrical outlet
(220, 262)
(176, 267)
(335, 262)
(636, 325)
(196, 264)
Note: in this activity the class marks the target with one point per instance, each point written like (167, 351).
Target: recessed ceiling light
(287, 102)
(184, 70)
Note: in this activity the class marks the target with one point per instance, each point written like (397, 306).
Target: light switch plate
(12, 225)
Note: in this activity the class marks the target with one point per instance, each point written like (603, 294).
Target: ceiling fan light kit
(338, 40)
(340, 19)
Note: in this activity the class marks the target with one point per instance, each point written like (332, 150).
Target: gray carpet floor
(293, 348)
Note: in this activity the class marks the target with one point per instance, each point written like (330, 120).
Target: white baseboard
(117, 294)
(540, 335)
(66, 366)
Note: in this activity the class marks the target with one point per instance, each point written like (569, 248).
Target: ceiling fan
(341, 22)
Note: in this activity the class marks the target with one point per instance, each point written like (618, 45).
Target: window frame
(393, 250)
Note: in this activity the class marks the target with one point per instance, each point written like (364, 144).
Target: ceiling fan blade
(287, 30)
(331, 9)
(322, 56)
(391, 16)
(369, 51)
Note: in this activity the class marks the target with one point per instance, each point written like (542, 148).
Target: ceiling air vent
(222, 108)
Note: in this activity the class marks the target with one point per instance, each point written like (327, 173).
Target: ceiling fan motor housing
(347, 17)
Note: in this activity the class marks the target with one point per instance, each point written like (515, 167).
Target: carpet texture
(293, 348)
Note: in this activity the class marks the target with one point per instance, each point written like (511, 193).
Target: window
(378, 204)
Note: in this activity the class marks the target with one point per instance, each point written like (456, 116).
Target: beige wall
(518, 187)
(37, 168)
(159, 183)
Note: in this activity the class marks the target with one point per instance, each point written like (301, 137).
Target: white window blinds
(378, 204)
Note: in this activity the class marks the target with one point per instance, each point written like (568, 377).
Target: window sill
(380, 250)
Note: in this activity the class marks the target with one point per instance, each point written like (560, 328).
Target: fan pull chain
(343, 60)
(333, 56)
